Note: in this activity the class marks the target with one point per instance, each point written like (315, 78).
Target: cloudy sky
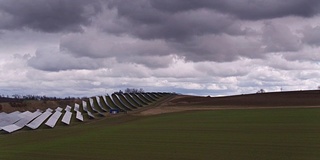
(203, 47)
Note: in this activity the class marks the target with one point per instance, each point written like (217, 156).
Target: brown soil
(293, 99)
(32, 105)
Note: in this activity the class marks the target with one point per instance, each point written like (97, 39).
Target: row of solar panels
(100, 105)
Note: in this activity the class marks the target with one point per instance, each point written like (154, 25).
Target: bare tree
(261, 91)
(133, 90)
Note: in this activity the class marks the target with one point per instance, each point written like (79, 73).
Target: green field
(222, 134)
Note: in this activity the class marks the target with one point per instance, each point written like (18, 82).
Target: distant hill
(6, 99)
(291, 98)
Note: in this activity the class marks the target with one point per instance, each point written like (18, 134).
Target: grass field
(221, 134)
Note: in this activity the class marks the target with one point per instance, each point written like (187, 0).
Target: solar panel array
(67, 115)
(85, 108)
(26, 118)
(94, 108)
(54, 118)
(79, 115)
(39, 120)
(99, 105)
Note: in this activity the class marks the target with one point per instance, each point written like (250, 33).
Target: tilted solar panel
(59, 109)
(67, 117)
(79, 116)
(28, 117)
(76, 107)
(94, 108)
(68, 108)
(99, 104)
(84, 104)
(39, 120)
(51, 122)
(8, 119)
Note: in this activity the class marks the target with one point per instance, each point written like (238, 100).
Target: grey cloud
(279, 38)
(311, 35)
(148, 61)
(205, 30)
(104, 46)
(125, 49)
(144, 21)
(77, 51)
(180, 19)
(280, 63)
(140, 11)
(245, 9)
(224, 69)
(54, 60)
(47, 16)
(308, 74)
(311, 55)
(220, 48)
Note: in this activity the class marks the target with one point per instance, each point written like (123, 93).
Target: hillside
(292, 99)
(32, 105)
(187, 102)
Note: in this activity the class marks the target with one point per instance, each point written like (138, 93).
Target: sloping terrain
(292, 99)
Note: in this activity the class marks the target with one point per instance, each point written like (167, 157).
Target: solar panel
(7, 119)
(94, 108)
(51, 122)
(134, 100)
(68, 108)
(119, 102)
(92, 104)
(112, 103)
(100, 105)
(125, 100)
(76, 107)
(67, 117)
(143, 96)
(104, 98)
(49, 109)
(106, 102)
(90, 114)
(79, 116)
(39, 120)
(147, 95)
(27, 117)
(136, 97)
(84, 104)
(59, 109)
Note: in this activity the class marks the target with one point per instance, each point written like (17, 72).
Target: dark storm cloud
(148, 32)
(279, 38)
(206, 30)
(180, 19)
(245, 9)
(141, 19)
(311, 35)
(47, 16)
(219, 48)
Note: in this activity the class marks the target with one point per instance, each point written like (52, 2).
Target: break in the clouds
(84, 48)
